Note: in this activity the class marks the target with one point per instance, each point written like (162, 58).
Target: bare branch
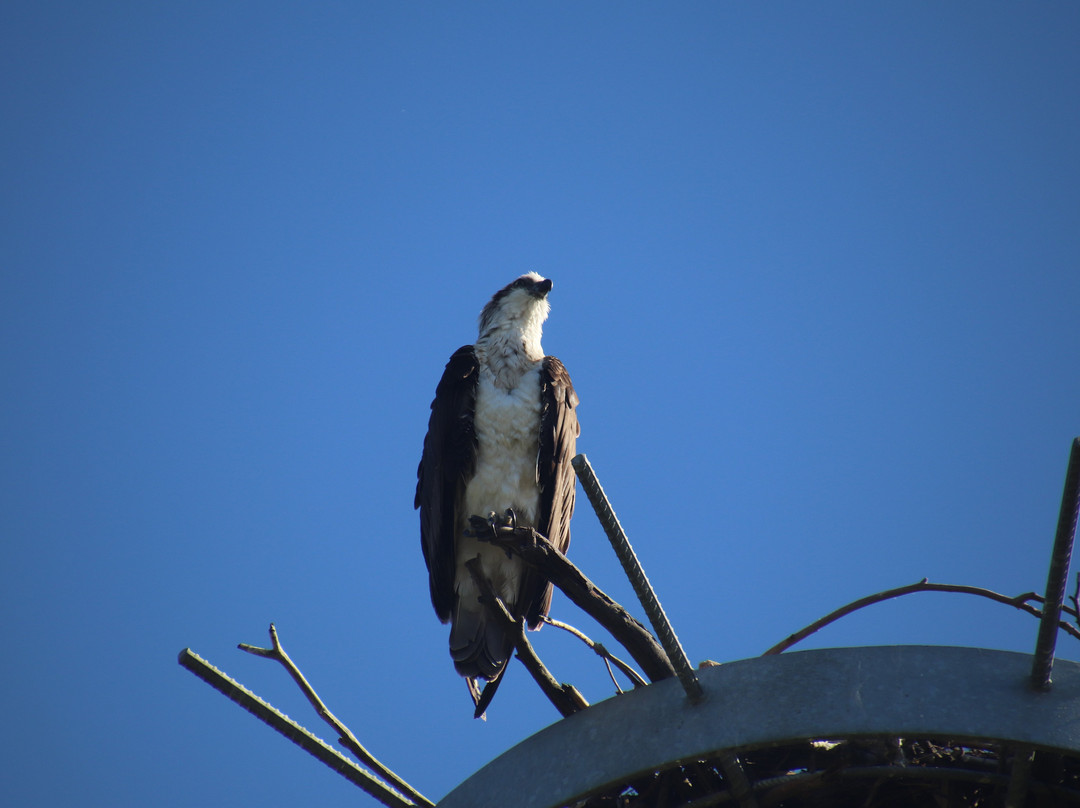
(345, 735)
(596, 647)
(1037, 598)
(1019, 602)
(608, 657)
(536, 551)
(310, 743)
(566, 698)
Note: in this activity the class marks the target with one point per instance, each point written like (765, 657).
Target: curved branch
(1019, 602)
(608, 657)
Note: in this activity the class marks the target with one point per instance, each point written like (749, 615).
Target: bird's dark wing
(559, 430)
(449, 460)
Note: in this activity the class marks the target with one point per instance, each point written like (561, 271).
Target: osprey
(501, 435)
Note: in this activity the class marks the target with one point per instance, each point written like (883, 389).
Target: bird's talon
(510, 518)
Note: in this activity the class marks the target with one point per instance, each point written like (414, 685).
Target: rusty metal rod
(1059, 570)
(634, 571)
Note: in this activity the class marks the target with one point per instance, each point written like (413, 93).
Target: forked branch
(602, 652)
(300, 736)
(345, 735)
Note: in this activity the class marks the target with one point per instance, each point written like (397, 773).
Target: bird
(502, 432)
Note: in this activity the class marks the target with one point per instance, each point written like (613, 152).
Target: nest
(858, 773)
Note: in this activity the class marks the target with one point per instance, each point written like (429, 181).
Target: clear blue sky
(816, 280)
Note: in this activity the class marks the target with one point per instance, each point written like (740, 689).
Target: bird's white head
(516, 313)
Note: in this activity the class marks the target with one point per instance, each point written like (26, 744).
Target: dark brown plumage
(452, 450)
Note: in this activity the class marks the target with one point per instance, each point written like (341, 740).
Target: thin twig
(565, 697)
(611, 675)
(345, 735)
(300, 736)
(1039, 599)
(635, 678)
(1019, 602)
(580, 635)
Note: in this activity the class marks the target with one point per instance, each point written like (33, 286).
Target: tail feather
(478, 645)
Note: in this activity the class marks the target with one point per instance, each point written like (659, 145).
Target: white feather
(507, 426)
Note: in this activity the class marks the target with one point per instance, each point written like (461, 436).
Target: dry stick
(1035, 596)
(1020, 602)
(539, 553)
(566, 698)
(346, 738)
(597, 648)
(310, 743)
(608, 657)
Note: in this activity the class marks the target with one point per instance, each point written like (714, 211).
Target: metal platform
(877, 727)
(978, 701)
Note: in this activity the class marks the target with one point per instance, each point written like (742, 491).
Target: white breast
(507, 427)
(507, 424)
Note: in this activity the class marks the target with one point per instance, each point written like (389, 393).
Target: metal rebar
(300, 736)
(642, 588)
(1059, 570)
